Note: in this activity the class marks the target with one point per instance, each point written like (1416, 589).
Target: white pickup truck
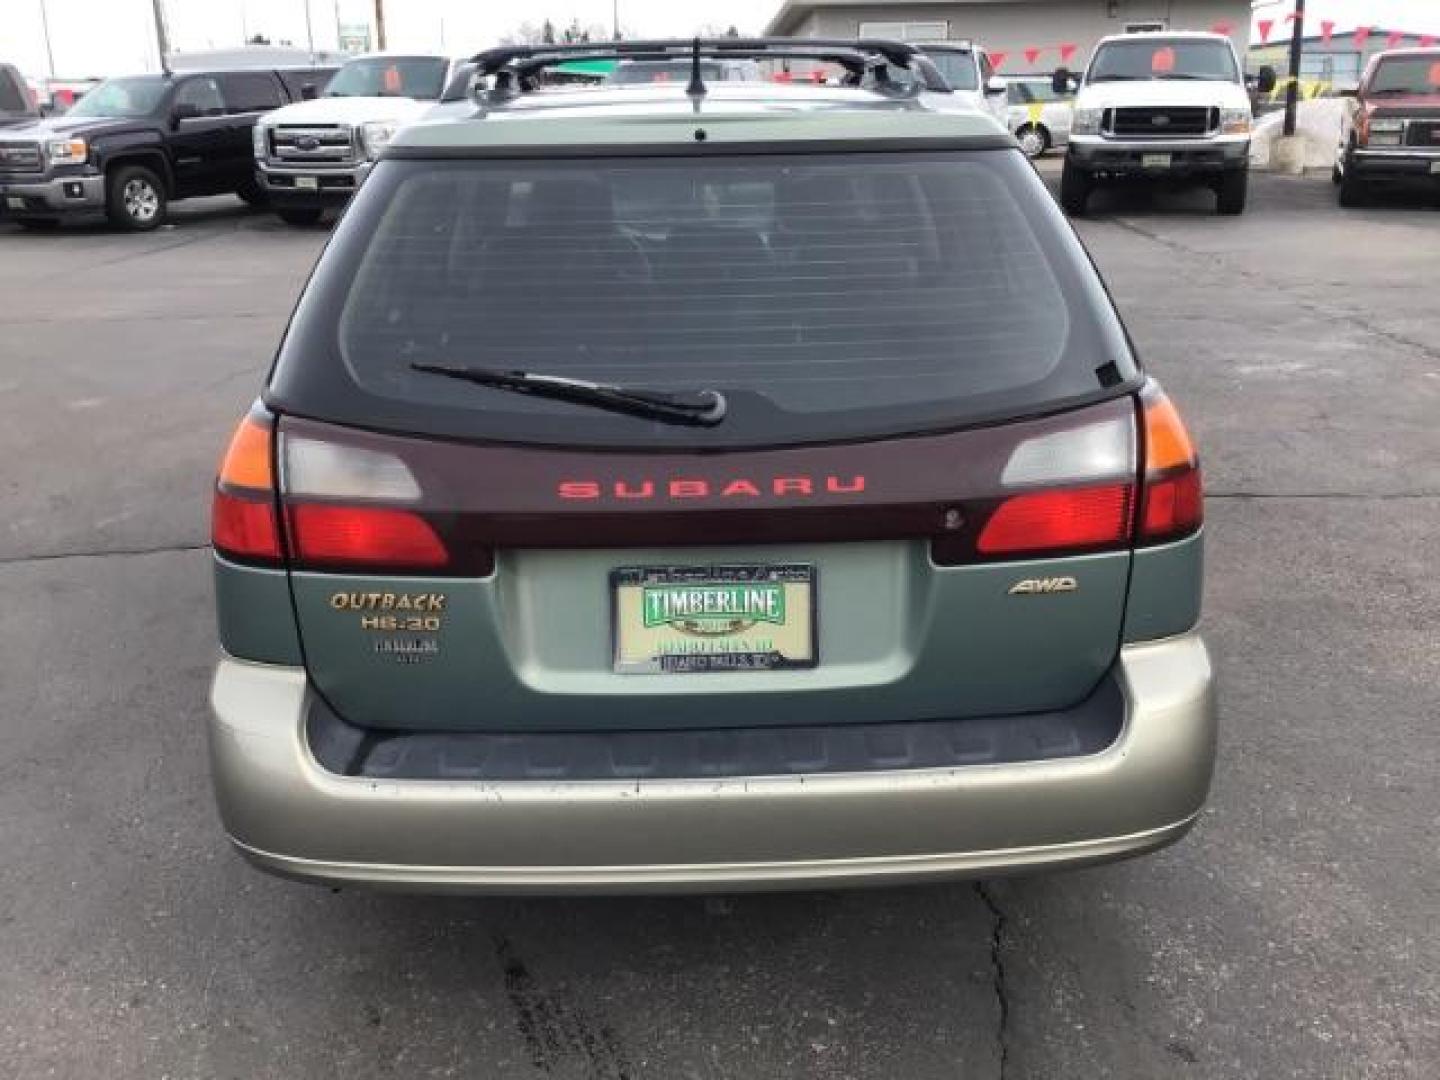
(1166, 107)
(315, 154)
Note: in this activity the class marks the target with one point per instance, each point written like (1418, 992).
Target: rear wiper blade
(706, 408)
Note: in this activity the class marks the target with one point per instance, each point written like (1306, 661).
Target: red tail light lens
(372, 538)
(1063, 520)
(243, 527)
(1173, 504)
(243, 523)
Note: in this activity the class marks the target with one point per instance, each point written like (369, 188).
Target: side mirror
(1060, 81)
(1266, 83)
(185, 110)
(995, 86)
(309, 92)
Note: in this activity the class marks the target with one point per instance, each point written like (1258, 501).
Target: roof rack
(513, 68)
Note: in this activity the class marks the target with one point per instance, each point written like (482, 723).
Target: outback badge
(1037, 585)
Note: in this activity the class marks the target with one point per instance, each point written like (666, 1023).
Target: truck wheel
(252, 194)
(135, 199)
(1231, 191)
(1075, 187)
(1352, 191)
(306, 217)
(1034, 140)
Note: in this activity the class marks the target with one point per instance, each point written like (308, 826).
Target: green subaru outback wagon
(697, 487)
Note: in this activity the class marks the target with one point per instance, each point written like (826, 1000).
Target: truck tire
(135, 199)
(1230, 193)
(301, 217)
(252, 194)
(1353, 193)
(1075, 187)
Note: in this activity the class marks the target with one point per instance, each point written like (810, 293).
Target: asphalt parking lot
(1291, 935)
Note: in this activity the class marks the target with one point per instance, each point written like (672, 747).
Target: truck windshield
(11, 99)
(957, 67)
(135, 95)
(1163, 58)
(421, 77)
(1407, 75)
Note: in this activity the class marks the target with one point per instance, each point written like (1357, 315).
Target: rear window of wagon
(828, 297)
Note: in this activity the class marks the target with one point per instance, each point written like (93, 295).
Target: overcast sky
(113, 36)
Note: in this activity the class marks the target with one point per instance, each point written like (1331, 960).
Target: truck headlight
(67, 151)
(1235, 121)
(1086, 122)
(257, 140)
(375, 135)
(1385, 132)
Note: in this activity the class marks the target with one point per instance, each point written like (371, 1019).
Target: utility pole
(162, 36)
(45, 28)
(1297, 48)
(380, 25)
(309, 33)
(615, 10)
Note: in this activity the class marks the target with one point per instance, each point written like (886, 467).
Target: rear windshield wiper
(705, 408)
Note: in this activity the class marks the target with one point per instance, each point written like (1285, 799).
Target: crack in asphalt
(997, 971)
(1347, 316)
(107, 553)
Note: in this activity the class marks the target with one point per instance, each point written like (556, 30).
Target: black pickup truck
(136, 143)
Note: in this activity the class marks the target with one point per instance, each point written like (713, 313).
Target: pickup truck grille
(1422, 133)
(1167, 122)
(16, 157)
(327, 144)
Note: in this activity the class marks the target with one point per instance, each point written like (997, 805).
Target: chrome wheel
(1032, 141)
(141, 200)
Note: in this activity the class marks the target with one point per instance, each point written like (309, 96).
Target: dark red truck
(1391, 127)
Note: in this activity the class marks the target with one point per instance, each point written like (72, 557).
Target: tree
(258, 39)
(547, 34)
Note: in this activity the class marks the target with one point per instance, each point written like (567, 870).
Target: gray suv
(706, 487)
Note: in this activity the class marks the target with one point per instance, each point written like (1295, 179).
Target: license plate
(15, 203)
(1434, 167)
(307, 183)
(682, 619)
(1154, 161)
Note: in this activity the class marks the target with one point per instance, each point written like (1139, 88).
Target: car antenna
(696, 89)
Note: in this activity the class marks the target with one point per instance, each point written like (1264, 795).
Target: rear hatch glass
(827, 296)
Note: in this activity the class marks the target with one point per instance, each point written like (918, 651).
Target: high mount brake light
(1172, 504)
(243, 522)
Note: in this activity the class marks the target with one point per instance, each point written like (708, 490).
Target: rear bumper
(289, 815)
(53, 196)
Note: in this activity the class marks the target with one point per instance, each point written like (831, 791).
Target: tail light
(1172, 503)
(350, 508)
(243, 524)
(1059, 521)
(1076, 491)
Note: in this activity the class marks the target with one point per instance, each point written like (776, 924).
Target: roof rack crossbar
(514, 66)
